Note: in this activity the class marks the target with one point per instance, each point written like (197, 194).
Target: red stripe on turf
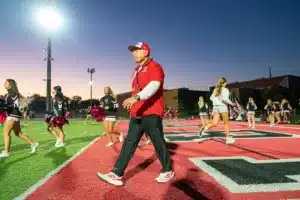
(78, 180)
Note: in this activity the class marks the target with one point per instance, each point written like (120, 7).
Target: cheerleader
(251, 108)
(88, 114)
(13, 101)
(56, 120)
(169, 113)
(269, 108)
(110, 105)
(176, 114)
(277, 109)
(203, 110)
(286, 110)
(220, 99)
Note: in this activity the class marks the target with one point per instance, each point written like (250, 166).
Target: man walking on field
(146, 111)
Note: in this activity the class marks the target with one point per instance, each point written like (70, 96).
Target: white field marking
(233, 187)
(293, 127)
(42, 181)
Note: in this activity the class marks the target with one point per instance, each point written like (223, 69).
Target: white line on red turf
(41, 182)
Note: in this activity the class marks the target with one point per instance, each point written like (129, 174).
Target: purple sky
(196, 41)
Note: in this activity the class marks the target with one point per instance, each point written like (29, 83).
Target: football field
(22, 169)
(263, 164)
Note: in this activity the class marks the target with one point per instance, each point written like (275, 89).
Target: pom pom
(98, 113)
(3, 117)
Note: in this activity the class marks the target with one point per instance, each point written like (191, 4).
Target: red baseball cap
(140, 45)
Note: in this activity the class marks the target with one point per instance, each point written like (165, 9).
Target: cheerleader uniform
(251, 108)
(269, 109)
(276, 108)
(13, 107)
(286, 110)
(286, 107)
(112, 104)
(203, 109)
(220, 102)
(88, 112)
(57, 118)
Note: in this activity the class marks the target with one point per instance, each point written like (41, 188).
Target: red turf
(78, 180)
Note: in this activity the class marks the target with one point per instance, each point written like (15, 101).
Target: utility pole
(48, 79)
(91, 71)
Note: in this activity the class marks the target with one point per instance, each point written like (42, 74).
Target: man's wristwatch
(137, 97)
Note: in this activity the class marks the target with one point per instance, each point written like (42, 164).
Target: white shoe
(34, 146)
(121, 137)
(60, 145)
(110, 144)
(165, 177)
(3, 154)
(111, 178)
(148, 142)
(230, 140)
(58, 141)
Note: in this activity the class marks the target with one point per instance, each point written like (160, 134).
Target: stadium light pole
(51, 21)
(91, 71)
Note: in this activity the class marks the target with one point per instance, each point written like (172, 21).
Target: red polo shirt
(150, 71)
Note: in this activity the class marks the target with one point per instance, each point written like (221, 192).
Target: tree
(77, 98)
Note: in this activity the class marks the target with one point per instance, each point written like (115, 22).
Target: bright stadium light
(49, 18)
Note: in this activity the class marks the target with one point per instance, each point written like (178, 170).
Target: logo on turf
(239, 134)
(245, 175)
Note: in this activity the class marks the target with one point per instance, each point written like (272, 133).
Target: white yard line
(42, 181)
(38, 184)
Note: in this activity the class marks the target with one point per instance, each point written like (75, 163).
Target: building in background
(181, 99)
(275, 88)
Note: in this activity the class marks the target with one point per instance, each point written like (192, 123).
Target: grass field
(22, 169)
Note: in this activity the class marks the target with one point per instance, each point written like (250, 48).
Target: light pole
(91, 71)
(50, 20)
(48, 79)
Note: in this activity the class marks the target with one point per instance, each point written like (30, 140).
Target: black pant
(137, 126)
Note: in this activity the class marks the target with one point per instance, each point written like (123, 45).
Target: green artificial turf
(22, 169)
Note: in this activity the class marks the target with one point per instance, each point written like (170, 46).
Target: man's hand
(106, 107)
(128, 103)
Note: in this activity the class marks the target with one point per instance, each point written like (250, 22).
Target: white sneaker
(148, 142)
(110, 144)
(3, 154)
(165, 177)
(58, 141)
(111, 178)
(121, 137)
(34, 146)
(230, 140)
(61, 144)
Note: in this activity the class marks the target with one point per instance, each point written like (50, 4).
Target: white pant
(220, 109)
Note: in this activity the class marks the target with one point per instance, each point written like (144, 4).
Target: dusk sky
(196, 41)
